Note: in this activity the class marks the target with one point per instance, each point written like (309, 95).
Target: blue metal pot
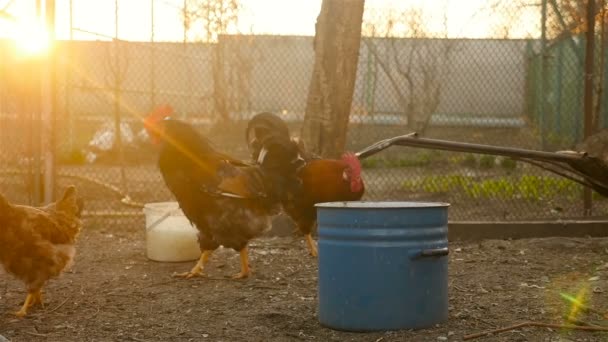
(382, 265)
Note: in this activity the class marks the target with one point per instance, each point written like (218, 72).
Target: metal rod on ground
(588, 98)
(593, 171)
(485, 149)
(380, 146)
(124, 198)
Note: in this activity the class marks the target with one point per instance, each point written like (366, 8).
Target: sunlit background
(137, 19)
(474, 71)
(478, 71)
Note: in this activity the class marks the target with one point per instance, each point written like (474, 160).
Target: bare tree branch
(209, 19)
(4, 14)
(386, 69)
(415, 66)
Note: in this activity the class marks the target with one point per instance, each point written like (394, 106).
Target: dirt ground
(113, 293)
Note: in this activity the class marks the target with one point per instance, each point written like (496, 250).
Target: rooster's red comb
(353, 161)
(158, 114)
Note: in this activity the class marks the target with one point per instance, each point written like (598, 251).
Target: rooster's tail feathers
(4, 204)
(261, 127)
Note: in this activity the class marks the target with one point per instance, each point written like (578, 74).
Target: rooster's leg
(37, 298)
(29, 300)
(312, 246)
(197, 270)
(245, 270)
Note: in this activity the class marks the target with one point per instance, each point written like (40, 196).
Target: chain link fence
(506, 73)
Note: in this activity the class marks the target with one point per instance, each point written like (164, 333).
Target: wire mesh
(506, 73)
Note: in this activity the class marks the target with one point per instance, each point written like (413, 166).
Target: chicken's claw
(242, 274)
(29, 301)
(245, 269)
(37, 299)
(197, 270)
(312, 246)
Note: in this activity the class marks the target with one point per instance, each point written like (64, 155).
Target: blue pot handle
(431, 252)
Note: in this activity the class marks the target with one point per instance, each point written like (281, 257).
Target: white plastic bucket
(169, 234)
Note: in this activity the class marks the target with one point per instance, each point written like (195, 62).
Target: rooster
(322, 180)
(229, 201)
(37, 244)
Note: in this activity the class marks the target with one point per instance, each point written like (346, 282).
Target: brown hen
(37, 244)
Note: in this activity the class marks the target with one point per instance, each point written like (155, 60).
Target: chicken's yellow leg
(29, 300)
(312, 246)
(197, 270)
(37, 298)
(245, 270)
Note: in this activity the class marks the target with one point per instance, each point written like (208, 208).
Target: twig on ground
(533, 324)
(587, 323)
(36, 334)
(484, 321)
(137, 339)
(58, 306)
(459, 288)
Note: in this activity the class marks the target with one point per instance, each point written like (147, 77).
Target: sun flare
(28, 33)
(31, 38)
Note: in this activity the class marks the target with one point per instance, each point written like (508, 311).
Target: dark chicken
(323, 180)
(227, 200)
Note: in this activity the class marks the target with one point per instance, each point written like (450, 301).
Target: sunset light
(31, 38)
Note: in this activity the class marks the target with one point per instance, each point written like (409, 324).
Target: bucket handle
(161, 219)
(432, 252)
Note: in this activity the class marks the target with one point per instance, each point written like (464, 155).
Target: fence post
(152, 59)
(49, 108)
(36, 122)
(604, 99)
(118, 82)
(560, 76)
(67, 57)
(543, 73)
(588, 98)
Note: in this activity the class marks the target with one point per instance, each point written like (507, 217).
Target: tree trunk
(336, 44)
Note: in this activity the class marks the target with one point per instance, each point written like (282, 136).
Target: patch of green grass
(456, 159)
(508, 164)
(469, 160)
(486, 161)
(411, 160)
(370, 163)
(527, 187)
